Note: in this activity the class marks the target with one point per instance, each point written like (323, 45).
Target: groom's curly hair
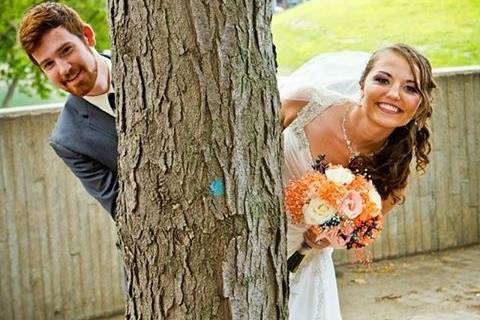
(390, 167)
(41, 18)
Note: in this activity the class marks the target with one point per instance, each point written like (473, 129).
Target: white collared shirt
(101, 101)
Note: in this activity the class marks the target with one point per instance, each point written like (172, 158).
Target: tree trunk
(199, 212)
(10, 91)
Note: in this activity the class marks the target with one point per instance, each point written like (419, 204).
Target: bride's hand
(311, 238)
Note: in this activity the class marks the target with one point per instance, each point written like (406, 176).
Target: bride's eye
(380, 80)
(411, 89)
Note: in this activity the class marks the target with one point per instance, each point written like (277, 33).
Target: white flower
(375, 198)
(317, 212)
(339, 175)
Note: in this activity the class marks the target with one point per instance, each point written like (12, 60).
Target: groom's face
(67, 60)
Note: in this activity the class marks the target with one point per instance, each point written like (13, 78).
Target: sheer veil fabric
(337, 72)
(324, 80)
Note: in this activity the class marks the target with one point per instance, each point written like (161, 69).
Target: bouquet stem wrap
(297, 257)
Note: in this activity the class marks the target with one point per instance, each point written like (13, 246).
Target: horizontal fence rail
(57, 245)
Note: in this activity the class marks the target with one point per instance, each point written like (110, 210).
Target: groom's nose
(64, 67)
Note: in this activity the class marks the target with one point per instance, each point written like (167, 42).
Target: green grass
(446, 31)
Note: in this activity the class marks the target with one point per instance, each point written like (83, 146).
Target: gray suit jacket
(85, 138)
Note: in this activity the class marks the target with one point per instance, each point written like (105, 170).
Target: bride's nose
(394, 92)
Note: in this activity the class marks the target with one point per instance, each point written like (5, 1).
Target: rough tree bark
(199, 212)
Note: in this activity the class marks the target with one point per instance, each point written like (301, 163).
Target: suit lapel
(98, 120)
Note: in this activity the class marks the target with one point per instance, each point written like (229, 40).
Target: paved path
(437, 286)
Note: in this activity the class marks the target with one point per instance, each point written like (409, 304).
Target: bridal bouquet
(337, 204)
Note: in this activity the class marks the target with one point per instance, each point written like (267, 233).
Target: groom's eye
(47, 65)
(66, 50)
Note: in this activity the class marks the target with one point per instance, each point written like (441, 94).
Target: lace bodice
(298, 159)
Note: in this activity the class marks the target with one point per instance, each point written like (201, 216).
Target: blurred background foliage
(21, 82)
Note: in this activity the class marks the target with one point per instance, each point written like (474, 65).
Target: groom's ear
(89, 35)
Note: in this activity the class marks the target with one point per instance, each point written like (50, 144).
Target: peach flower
(351, 205)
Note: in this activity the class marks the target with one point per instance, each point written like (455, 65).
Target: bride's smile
(389, 108)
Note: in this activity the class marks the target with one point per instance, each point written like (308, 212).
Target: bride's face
(390, 95)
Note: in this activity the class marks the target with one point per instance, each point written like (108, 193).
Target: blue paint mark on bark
(217, 188)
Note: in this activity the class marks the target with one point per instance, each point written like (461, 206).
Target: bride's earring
(415, 125)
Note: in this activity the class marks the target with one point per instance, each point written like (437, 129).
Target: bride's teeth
(389, 107)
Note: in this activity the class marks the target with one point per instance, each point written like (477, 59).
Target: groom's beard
(80, 79)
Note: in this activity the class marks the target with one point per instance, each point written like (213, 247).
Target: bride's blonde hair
(390, 167)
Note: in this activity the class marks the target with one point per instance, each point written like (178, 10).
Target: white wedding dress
(313, 288)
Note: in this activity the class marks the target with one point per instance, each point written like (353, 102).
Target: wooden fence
(58, 258)
(57, 246)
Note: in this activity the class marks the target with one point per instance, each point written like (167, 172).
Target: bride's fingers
(320, 244)
(311, 238)
(314, 235)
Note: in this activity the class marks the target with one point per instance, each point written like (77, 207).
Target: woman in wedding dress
(380, 130)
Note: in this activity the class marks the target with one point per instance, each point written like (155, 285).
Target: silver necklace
(348, 142)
